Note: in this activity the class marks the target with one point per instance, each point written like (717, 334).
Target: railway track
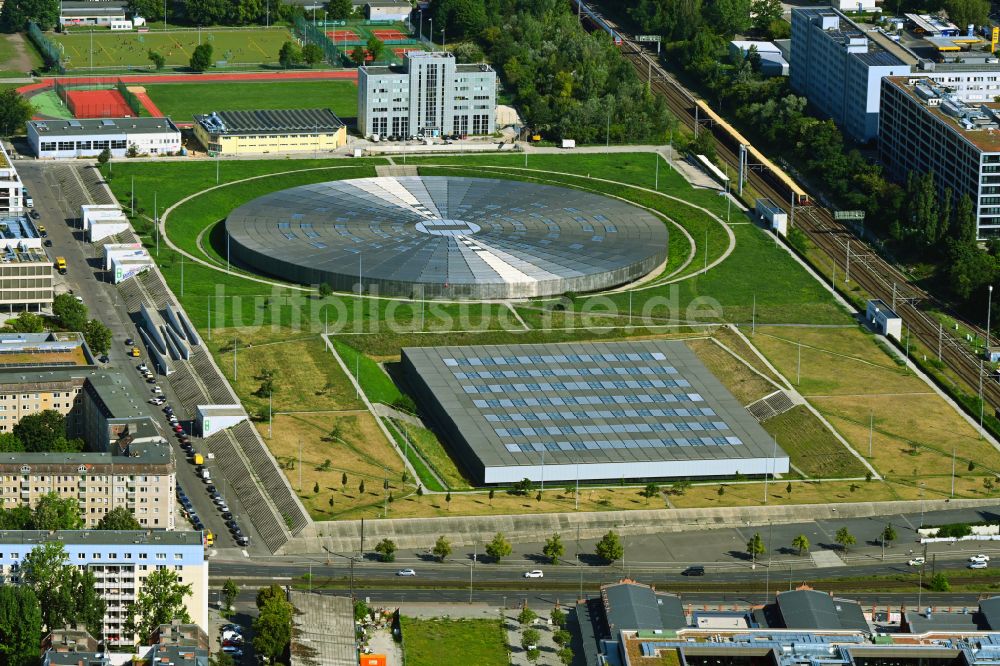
(854, 259)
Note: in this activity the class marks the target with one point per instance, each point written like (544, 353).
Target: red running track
(342, 75)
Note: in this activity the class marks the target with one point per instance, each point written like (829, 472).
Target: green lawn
(181, 101)
(453, 642)
(812, 447)
(130, 49)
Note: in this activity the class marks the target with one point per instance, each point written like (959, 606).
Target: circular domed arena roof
(445, 237)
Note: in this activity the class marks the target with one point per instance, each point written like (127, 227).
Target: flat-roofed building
(429, 95)
(11, 188)
(120, 561)
(588, 411)
(918, 114)
(275, 131)
(839, 69)
(102, 220)
(25, 278)
(103, 13)
(89, 137)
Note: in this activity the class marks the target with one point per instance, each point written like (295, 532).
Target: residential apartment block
(120, 562)
(926, 127)
(430, 95)
(839, 69)
(11, 189)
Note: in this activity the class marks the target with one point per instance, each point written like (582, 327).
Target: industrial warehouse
(587, 411)
(442, 237)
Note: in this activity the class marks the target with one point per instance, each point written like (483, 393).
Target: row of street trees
(609, 548)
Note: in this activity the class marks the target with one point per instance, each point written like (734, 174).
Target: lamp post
(420, 28)
(989, 307)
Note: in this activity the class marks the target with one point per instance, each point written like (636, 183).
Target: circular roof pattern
(447, 237)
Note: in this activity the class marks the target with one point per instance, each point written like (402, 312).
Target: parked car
(104, 358)
(243, 540)
(534, 573)
(406, 572)
(226, 515)
(47, 242)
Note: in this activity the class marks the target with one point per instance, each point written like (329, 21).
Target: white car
(917, 562)
(536, 573)
(978, 565)
(157, 390)
(406, 572)
(979, 558)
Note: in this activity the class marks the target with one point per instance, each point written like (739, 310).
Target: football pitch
(131, 49)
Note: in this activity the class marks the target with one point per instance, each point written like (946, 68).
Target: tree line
(564, 81)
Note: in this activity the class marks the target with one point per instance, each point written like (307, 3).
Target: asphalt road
(57, 200)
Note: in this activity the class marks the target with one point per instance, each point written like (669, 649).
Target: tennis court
(98, 104)
(389, 34)
(341, 36)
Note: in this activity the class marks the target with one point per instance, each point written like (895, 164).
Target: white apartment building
(430, 95)
(120, 561)
(11, 195)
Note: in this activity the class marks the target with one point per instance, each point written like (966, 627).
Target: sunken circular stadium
(446, 237)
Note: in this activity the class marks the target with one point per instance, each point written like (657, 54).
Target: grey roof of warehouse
(288, 121)
(92, 11)
(103, 537)
(323, 630)
(98, 126)
(628, 374)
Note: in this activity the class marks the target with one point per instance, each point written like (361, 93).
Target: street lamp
(989, 307)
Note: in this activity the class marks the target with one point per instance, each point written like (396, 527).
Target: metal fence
(311, 34)
(51, 52)
(129, 97)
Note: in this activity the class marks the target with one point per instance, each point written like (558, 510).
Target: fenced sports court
(339, 38)
(101, 97)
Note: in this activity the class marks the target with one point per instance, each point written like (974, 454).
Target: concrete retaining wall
(345, 536)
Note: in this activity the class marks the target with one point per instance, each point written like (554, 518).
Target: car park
(406, 572)
(694, 570)
(535, 573)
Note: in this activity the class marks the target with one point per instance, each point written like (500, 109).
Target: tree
(375, 47)
(160, 601)
(729, 16)
(522, 487)
(273, 628)
(343, 482)
(266, 593)
(530, 638)
(499, 547)
(526, 616)
(39, 432)
(119, 518)
(207, 12)
(289, 54)
(764, 12)
(158, 59)
(533, 654)
(46, 572)
(339, 9)
(201, 57)
(20, 626)
(966, 12)
(26, 322)
(565, 654)
(788, 488)
(104, 157)
(230, 590)
(888, 534)
(610, 547)
(69, 312)
(358, 55)
(87, 605)
(447, 499)
(43, 12)
(561, 637)
(148, 9)
(845, 538)
(492, 492)
(651, 490)
(442, 548)
(98, 336)
(460, 18)
(801, 543)
(312, 55)
(939, 583)
(316, 488)
(53, 512)
(558, 617)
(554, 548)
(361, 487)
(755, 546)
(387, 549)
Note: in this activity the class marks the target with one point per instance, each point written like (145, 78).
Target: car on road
(695, 570)
(534, 573)
(917, 562)
(978, 565)
(979, 558)
(47, 242)
(406, 572)
(135, 352)
(142, 367)
(34, 215)
(231, 627)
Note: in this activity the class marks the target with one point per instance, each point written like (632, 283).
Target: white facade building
(839, 69)
(120, 561)
(11, 189)
(430, 95)
(388, 10)
(213, 418)
(883, 319)
(102, 220)
(88, 137)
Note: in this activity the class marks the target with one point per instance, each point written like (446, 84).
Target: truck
(28, 201)
(61, 265)
(569, 143)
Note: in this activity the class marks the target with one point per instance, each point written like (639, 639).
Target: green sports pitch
(103, 48)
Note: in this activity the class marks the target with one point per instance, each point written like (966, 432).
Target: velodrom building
(586, 411)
